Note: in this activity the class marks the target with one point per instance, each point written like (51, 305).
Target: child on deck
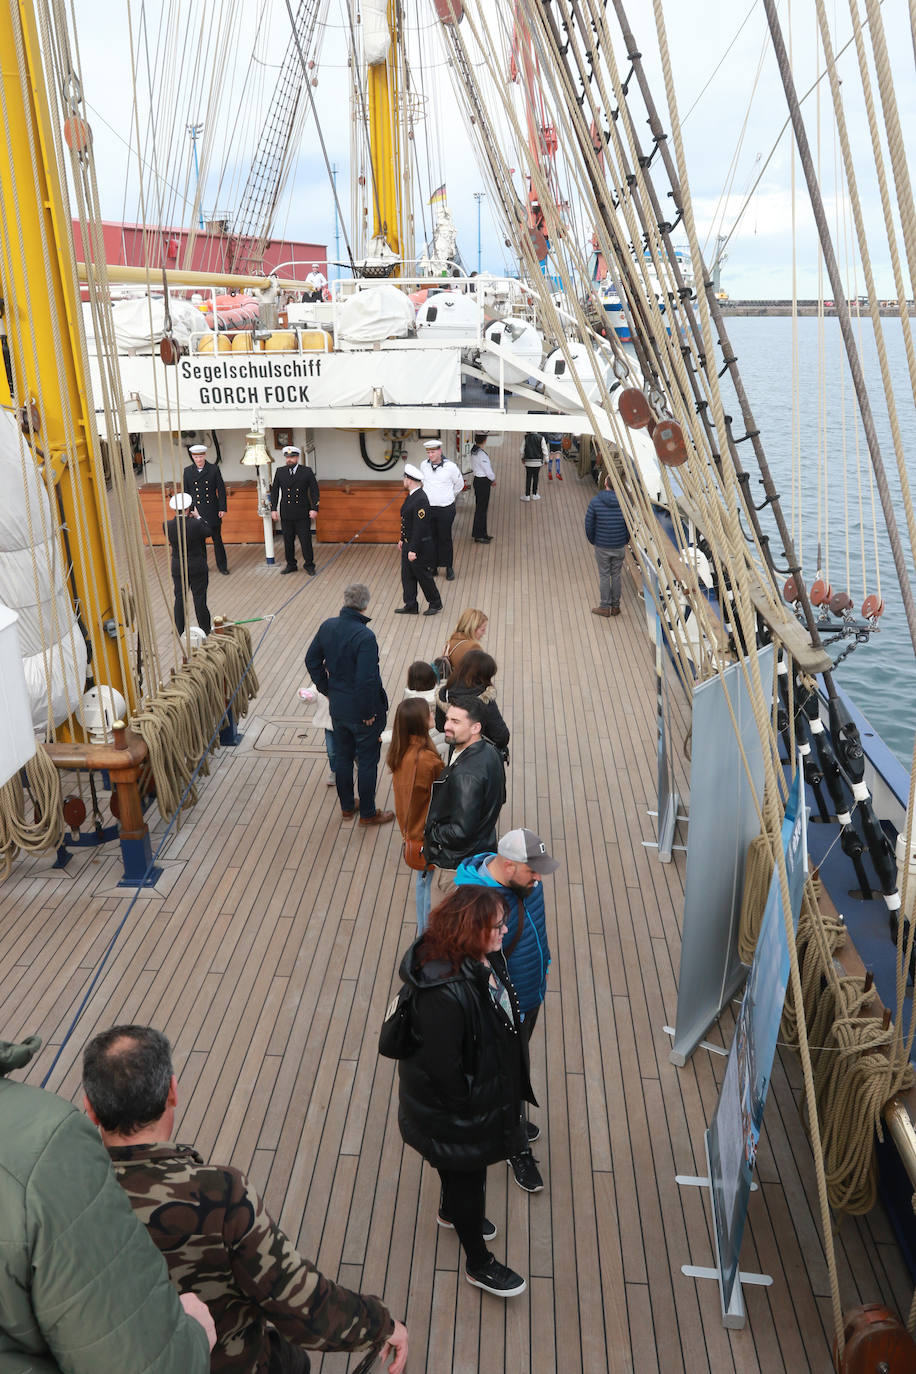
(421, 682)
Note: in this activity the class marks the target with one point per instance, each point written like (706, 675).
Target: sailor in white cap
(204, 482)
(187, 536)
(442, 481)
(417, 548)
(294, 502)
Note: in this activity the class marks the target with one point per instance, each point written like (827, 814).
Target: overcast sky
(729, 95)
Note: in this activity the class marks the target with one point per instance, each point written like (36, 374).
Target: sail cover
(33, 582)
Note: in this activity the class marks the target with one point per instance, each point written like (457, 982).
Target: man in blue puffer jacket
(521, 859)
(606, 529)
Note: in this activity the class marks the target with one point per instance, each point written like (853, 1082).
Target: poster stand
(734, 1316)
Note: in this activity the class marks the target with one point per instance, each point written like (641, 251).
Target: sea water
(880, 675)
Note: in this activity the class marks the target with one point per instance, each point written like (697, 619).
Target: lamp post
(478, 196)
(195, 130)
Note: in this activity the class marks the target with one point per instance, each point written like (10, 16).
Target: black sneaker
(495, 1278)
(526, 1171)
(488, 1232)
(533, 1131)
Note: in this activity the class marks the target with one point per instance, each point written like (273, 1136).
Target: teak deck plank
(269, 951)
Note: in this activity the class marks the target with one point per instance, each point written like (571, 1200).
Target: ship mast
(42, 309)
(385, 101)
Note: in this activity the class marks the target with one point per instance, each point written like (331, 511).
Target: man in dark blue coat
(606, 529)
(203, 482)
(187, 536)
(342, 661)
(294, 502)
(516, 869)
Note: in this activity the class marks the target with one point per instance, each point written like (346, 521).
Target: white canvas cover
(35, 586)
(379, 312)
(374, 27)
(139, 324)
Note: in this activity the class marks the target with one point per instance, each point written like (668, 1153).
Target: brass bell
(255, 455)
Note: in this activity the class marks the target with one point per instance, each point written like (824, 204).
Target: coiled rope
(46, 829)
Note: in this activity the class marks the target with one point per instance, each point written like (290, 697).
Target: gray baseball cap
(524, 847)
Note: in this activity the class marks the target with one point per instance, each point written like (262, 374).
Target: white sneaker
(536, 496)
(524, 498)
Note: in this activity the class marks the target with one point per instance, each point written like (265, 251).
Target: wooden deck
(268, 951)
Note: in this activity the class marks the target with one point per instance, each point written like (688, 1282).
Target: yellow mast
(42, 308)
(385, 140)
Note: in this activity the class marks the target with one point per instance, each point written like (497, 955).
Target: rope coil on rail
(178, 724)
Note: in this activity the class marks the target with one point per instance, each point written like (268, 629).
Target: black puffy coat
(460, 1094)
(464, 806)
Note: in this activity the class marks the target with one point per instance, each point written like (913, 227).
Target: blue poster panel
(735, 1129)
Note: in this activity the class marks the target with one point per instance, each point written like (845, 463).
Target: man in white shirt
(484, 479)
(442, 481)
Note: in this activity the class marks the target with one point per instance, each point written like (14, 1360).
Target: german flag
(438, 196)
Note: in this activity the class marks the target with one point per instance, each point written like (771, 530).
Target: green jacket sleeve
(100, 1290)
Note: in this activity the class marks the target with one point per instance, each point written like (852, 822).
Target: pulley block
(168, 350)
(449, 11)
(791, 589)
(873, 607)
(30, 420)
(634, 408)
(74, 809)
(668, 438)
(77, 134)
(821, 592)
(840, 603)
(876, 1339)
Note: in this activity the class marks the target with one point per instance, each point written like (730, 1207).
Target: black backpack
(532, 451)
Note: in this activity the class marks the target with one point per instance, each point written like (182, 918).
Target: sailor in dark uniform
(204, 483)
(418, 548)
(187, 535)
(294, 502)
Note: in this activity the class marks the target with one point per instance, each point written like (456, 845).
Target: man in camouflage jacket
(216, 1234)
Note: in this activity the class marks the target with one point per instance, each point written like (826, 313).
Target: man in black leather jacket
(468, 796)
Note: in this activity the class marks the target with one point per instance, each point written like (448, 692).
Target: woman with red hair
(461, 1090)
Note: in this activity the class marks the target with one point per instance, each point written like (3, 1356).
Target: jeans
(610, 565)
(532, 476)
(424, 898)
(362, 744)
(329, 746)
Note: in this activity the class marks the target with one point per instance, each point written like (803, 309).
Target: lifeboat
(559, 383)
(519, 341)
(232, 312)
(449, 315)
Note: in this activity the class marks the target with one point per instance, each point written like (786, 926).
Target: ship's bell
(255, 454)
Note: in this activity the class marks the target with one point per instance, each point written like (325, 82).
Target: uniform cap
(198, 448)
(180, 501)
(412, 472)
(433, 443)
(524, 847)
(292, 448)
